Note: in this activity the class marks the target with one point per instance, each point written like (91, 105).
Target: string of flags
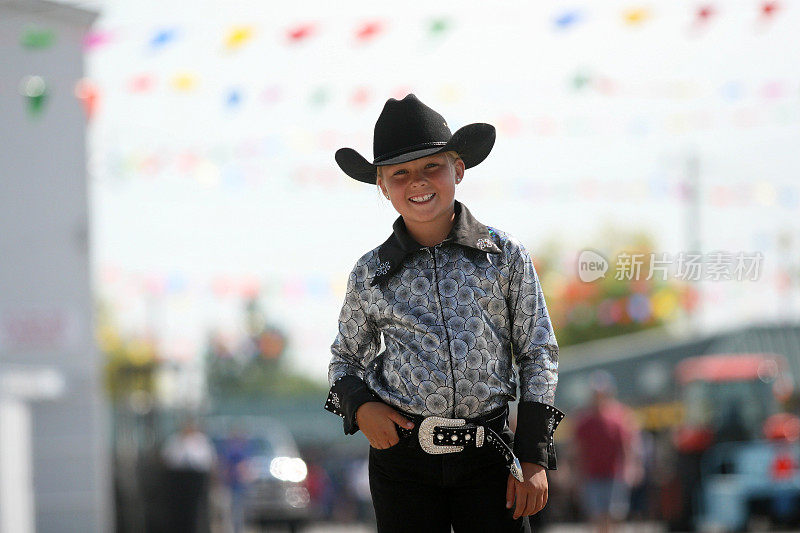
(225, 285)
(89, 92)
(659, 303)
(582, 80)
(36, 38)
(211, 170)
(699, 17)
(240, 167)
(363, 32)
(236, 37)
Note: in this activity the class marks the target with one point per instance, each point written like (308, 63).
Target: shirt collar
(466, 231)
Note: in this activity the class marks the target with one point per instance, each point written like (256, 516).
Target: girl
(453, 302)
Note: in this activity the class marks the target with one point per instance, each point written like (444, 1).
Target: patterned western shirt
(454, 318)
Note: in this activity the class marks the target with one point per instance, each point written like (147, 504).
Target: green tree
(130, 364)
(256, 365)
(623, 301)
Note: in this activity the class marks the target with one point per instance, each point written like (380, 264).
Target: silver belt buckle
(426, 434)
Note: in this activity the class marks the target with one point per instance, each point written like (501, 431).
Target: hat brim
(472, 142)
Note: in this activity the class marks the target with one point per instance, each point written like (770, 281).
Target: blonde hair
(452, 156)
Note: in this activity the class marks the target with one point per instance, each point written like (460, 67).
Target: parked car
(269, 473)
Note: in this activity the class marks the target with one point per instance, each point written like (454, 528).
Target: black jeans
(414, 491)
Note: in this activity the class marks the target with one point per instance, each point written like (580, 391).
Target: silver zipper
(441, 314)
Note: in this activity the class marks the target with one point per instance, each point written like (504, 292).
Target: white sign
(32, 383)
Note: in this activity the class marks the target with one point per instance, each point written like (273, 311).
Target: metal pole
(694, 233)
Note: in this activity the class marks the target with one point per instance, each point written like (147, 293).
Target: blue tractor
(738, 450)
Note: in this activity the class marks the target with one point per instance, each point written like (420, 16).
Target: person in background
(318, 483)
(358, 479)
(606, 437)
(234, 454)
(189, 457)
(732, 427)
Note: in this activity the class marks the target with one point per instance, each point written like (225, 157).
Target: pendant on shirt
(383, 268)
(484, 244)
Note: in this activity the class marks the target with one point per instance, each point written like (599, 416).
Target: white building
(54, 459)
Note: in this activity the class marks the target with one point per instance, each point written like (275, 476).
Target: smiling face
(423, 190)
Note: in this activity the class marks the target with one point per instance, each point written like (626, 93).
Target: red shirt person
(605, 438)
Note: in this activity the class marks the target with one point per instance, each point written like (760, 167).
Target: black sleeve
(533, 440)
(346, 396)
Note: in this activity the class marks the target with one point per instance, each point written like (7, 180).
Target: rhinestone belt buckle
(426, 434)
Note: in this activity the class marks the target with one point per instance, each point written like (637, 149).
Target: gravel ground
(634, 527)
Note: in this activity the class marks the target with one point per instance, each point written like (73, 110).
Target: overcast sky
(234, 175)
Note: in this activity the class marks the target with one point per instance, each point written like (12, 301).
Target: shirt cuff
(533, 440)
(347, 394)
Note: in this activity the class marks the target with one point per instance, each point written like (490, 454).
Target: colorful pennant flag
(86, 91)
(238, 37)
(768, 9)
(704, 13)
(439, 26)
(301, 32)
(141, 83)
(233, 98)
(580, 80)
(96, 39)
(400, 92)
(635, 16)
(369, 30)
(184, 82)
(271, 94)
(320, 96)
(360, 96)
(567, 19)
(162, 37)
(34, 90)
(37, 38)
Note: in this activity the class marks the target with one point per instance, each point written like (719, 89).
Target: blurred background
(175, 240)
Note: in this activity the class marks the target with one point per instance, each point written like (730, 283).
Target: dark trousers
(186, 492)
(414, 491)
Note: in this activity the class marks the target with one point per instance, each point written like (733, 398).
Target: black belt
(438, 435)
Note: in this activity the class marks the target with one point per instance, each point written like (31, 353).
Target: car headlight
(288, 469)
(297, 496)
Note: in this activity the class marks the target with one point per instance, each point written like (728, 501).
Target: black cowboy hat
(406, 130)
